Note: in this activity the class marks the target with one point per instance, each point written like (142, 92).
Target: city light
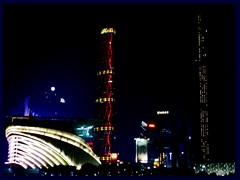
(62, 100)
(162, 112)
(40, 152)
(151, 125)
(108, 30)
(65, 134)
(114, 156)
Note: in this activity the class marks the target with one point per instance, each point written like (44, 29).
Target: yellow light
(108, 30)
(114, 156)
(162, 112)
(151, 125)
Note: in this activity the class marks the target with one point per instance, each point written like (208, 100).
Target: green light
(108, 30)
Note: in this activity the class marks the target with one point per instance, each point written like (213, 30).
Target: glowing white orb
(52, 88)
(62, 100)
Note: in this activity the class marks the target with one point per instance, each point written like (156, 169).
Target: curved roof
(43, 147)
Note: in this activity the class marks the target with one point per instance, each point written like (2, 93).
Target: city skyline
(153, 59)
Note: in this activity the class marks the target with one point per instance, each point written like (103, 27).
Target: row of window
(106, 128)
(105, 100)
(105, 158)
(204, 130)
(109, 71)
(203, 99)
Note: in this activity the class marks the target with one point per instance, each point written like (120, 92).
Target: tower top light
(108, 30)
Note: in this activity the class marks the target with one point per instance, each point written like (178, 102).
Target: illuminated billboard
(141, 150)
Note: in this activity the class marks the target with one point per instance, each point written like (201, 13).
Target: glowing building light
(39, 151)
(162, 112)
(114, 156)
(62, 100)
(170, 155)
(141, 150)
(108, 30)
(144, 124)
(151, 125)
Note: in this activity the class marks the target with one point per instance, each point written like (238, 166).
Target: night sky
(58, 45)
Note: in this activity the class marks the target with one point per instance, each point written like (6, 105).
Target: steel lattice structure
(105, 98)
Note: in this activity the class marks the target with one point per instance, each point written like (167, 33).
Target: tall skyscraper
(106, 99)
(201, 61)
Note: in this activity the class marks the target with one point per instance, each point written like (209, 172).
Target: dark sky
(58, 45)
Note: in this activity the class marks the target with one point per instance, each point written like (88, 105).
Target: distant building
(167, 138)
(201, 63)
(141, 150)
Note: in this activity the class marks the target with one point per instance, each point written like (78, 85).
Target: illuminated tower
(105, 99)
(203, 89)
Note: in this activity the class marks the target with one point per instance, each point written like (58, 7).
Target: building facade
(201, 63)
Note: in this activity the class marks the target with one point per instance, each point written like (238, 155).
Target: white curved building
(38, 147)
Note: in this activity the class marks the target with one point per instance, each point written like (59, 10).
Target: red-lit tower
(106, 99)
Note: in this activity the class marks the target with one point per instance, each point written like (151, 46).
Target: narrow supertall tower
(106, 99)
(203, 89)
